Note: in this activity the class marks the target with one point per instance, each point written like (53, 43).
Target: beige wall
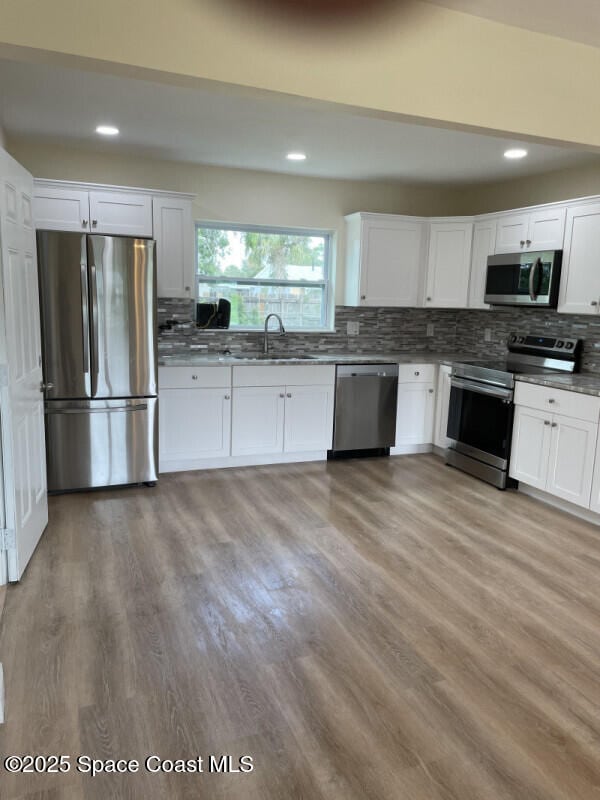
(547, 188)
(236, 195)
(430, 63)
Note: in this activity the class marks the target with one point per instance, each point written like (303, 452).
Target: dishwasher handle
(367, 371)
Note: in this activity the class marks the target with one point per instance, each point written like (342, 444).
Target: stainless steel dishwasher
(366, 396)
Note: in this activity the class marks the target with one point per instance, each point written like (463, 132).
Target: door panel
(207, 430)
(531, 446)
(572, 454)
(101, 443)
(121, 213)
(257, 420)
(123, 316)
(56, 209)
(414, 422)
(484, 242)
(580, 284)
(512, 233)
(23, 449)
(64, 304)
(449, 264)
(390, 263)
(308, 418)
(547, 229)
(174, 234)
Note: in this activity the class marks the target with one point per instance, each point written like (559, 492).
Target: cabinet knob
(522, 242)
(528, 242)
(431, 391)
(429, 299)
(555, 424)
(551, 401)
(363, 297)
(227, 397)
(281, 394)
(194, 377)
(594, 303)
(417, 373)
(94, 223)
(289, 394)
(546, 422)
(84, 223)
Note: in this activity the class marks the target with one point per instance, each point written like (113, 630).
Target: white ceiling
(252, 132)
(578, 20)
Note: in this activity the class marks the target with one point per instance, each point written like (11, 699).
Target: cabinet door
(531, 446)
(308, 418)
(57, 209)
(595, 493)
(121, 213)
(391, 257)
(174, 234)
(440, 438)
(546, 229)
(512, 233)
(484, 242)
(572, 453)
(194, 424)
(414, 419)
(580, 282)
(449, 264)
(257, 420)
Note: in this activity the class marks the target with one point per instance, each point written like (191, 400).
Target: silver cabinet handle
(429, 299)
(417, 373)
(281, 394)
(551, 401)
(363, 297)
(522, 243)
(555, 424)
(227, 397)
(528, 242)
(289, 394)
(431, 391)
(546, 422)
(45, 386)
(94, 223)
(84, 223)
(194, 377)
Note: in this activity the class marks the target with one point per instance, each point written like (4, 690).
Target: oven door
(480, 420)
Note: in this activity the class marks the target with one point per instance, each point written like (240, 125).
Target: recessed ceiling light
(515, 152)
(107, 130)
(296, 156)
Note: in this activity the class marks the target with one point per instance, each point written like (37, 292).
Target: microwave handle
(532, 277)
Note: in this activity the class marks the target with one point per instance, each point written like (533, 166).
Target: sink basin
(272, 357)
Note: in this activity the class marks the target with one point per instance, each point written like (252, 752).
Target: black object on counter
(213, 315)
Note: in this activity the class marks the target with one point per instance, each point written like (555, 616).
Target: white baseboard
(563, 505)
(409, 449)
(241, 461)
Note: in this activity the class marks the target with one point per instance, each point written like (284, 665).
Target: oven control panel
(542, 344)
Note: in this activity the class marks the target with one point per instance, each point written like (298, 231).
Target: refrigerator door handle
(85, 318)
(95, 364)
(106, 410)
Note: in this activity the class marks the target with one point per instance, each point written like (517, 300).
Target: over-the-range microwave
(516, 279)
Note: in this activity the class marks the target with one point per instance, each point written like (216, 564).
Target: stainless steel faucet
(281, 330)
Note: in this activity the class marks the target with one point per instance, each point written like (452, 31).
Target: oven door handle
(491, 391)
(532, 276)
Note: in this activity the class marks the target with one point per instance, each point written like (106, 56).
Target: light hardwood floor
(376, 629)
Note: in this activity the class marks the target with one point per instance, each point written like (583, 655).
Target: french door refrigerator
(98, 309)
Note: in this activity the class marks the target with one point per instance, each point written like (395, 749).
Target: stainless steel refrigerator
(98, 308)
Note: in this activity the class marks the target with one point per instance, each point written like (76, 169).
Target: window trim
(326, 284)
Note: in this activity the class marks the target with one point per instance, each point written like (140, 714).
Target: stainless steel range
(481, 409)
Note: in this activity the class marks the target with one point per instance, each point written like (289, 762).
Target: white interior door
(23, 446)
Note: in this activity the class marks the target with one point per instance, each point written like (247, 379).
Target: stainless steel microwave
(516, 279)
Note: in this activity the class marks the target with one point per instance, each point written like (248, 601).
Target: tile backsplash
(388, 330)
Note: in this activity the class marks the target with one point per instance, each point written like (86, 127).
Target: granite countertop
(582, 382)
(414, 357)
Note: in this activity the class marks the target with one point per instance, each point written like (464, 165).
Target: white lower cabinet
(554, 452)
(308, 418)
(257, 420)
(416, 407)
(442, 405)
(194, 424)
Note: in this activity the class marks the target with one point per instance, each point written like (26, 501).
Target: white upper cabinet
(542, 229)
(60, 209)
(174, 234)
(384, 254)
(449, 264)
(121, 213)
(484, 241)
(580, 283)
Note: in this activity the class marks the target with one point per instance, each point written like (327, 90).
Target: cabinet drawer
(194, 377)
(283, 375)
(416, 373)
(558, 401)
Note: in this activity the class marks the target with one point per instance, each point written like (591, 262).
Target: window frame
(327, 313)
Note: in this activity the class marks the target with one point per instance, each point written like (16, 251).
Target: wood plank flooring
(366, 630)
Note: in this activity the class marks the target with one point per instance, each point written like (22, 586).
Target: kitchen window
(262, 270)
